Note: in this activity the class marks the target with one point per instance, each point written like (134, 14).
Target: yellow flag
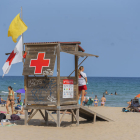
(16, 28)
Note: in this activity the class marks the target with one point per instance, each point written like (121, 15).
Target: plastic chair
(2, 102)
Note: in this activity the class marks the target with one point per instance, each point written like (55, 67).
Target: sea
(126, 87)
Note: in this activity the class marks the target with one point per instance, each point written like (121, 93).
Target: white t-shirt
(81, 79)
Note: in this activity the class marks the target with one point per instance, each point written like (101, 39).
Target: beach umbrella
(138, 96)
(20, 91)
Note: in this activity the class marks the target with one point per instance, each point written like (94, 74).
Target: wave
(3, 92)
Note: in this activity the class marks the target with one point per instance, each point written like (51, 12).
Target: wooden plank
(26, 117)
(69, 102)
(25, 87)
(63, 116)
(32, 115)
(31, 112)
(77, 117)
(91, 113)
(94, 120)
(41, 107)
(73, 114)
(76, 73)
(42, 103)
(46, 117)
(68, 47)
(58, 118)
(58, 74)
(82, 54)
(51, 116)
(42, 114)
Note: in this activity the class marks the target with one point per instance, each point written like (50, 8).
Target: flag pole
(22, 39)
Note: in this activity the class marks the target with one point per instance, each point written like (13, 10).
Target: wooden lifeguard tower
(49, 93)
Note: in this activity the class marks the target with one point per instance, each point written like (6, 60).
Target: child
(96, 101)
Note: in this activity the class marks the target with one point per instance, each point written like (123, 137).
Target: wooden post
(76, 73)
(94, 118)
(58, 74)
(46, 118)
(77, 117)
(58, 118)
(25, 87)
(72, 118)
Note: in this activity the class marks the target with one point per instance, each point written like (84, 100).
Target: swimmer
(103, 100)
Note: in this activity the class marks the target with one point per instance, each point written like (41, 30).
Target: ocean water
(126, 88)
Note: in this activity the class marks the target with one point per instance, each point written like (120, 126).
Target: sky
(108, 28)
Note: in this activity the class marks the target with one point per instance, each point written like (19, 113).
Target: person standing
(103, 100)
(10, 100)
(82, 80)
(96, 101)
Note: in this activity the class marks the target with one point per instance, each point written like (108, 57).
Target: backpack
(2, 116)
(14, 117)
(125, 110)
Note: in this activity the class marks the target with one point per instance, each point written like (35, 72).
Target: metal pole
(78, 66)
(22, 38)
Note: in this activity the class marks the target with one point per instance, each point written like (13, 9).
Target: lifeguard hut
(49, 93)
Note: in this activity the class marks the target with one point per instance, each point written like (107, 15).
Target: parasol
(20, 91)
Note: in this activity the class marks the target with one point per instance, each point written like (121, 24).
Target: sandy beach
(124, 126)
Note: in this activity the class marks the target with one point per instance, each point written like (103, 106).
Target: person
(129, 104)
(103, 100)
(106, 92)
(85, 100)
(2, 101)
(111, 93)
(18, 98)
(115, 93)
(82, 80)
(96, 101)
(10, 99)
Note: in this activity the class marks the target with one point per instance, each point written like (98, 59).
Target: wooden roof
(55, 43)
(82, 54)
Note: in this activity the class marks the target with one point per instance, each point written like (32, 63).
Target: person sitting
(96, 101)
(111, 93)
(2, 101)
(86, 100)
(18, 98)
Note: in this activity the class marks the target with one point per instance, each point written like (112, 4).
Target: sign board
(68, 88)
(39, 60)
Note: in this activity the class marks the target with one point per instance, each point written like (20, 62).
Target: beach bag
(2, 116)
(125, 110)
(14, 117)
(18, 107)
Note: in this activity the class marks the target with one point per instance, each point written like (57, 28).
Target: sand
(125, 126)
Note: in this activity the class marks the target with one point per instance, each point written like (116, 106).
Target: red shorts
(84, 87)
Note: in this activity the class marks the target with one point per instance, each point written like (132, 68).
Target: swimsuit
(102, 102)
(11, 94)
(95, 100)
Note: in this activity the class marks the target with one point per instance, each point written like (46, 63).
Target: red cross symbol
(39, 63)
